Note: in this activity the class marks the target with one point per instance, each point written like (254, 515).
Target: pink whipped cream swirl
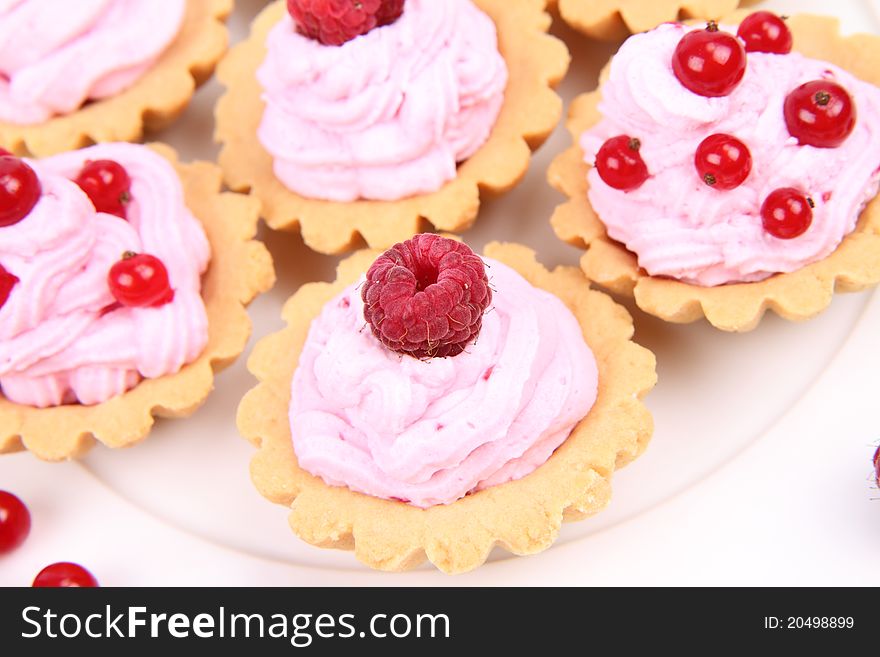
(681, 228)
(430, 431)
(58, 342)
(55, 56)
(388, 114)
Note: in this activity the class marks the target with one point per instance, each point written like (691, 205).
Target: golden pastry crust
(522, 516)
(152, 103)
(799, 295)
(240, 269)
(537, 62)
(613, 20)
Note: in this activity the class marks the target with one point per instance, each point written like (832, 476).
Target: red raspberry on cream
(389, 11)
(426, 297)
(334, 22)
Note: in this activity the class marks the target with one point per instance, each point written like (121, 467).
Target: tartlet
(152, 103)
(531, 110)
(612, 20)
(797, 295)
(522, 516)
(240, 269)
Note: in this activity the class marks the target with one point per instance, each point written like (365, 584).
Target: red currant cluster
(712, 63)
(137, 280)
(15, 525)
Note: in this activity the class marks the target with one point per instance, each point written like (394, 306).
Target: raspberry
(426, 297)
(389, 11)
(334, 22)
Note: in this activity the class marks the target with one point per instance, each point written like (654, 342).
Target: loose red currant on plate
(140, 280)
(723, 161)
(7, 282)
(709, 62)
(787, 213)
(877, 466)
(15, 522)
(20, 190)
(820, 113)
(764, 31)
(65, 574)
(620, 164)
(107, 184)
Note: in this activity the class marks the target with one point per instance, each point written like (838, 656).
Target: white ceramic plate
(758, 471)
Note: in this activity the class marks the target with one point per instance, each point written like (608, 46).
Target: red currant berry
(7, 282)
(709, 62)
(787, 213)
(4, 152)
(15, 522)
(64, 574)
(140, 281)
(820, 113)
(620, 164)
(764, 31)
(20, 190)
(107, 184)
(723, 161)
(877, 466)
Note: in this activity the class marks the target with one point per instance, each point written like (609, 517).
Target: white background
(758, 473)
